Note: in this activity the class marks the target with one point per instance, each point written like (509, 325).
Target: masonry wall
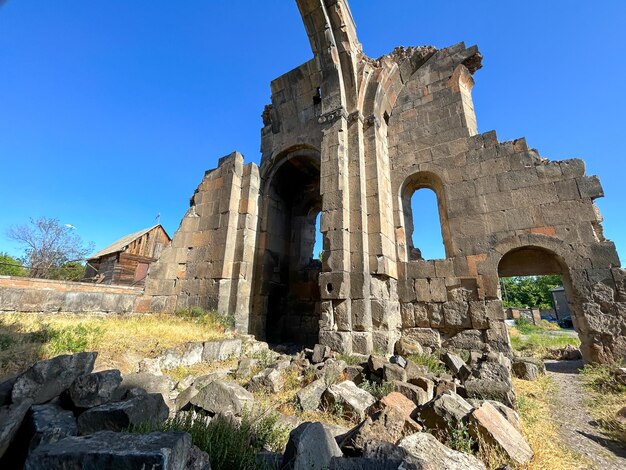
(18, 294)
(365, 134)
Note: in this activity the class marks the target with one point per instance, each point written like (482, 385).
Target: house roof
(124, 242)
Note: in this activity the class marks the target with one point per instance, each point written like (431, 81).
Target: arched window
(425, 217)
(427, 238)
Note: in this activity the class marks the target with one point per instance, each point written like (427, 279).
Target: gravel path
(576, 426)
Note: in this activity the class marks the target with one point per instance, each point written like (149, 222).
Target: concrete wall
(21, 294)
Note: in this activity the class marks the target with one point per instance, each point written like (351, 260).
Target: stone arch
(286, 292)
(404, 232)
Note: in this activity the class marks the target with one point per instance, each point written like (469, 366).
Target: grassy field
(538, 340)
(121, 341)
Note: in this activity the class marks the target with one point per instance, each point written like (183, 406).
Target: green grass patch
(207, 317)
(606, 396)
(376, 389)
(231, 445)
(539, 344)
(350, 359)
(430, 361)
(72, 339)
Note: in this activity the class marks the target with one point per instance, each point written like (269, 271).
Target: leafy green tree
(529, 291)
(48, 245)
(10, 266)
(70, 271)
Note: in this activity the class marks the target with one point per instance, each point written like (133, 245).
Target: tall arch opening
(424, 216)
(290, 267)
(535, 285)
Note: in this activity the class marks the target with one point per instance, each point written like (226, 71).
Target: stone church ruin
(352, 138)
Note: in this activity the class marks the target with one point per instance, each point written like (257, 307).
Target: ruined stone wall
(20, 294)
(209, 262)
(353, 138)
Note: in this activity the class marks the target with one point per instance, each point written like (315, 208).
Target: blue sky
(111, 111)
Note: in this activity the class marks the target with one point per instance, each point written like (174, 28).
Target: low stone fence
(42, 295)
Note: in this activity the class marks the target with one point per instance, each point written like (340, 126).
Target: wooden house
(127, 260)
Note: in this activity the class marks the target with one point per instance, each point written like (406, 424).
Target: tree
(48, 245)
(10, 266)
(529, 291)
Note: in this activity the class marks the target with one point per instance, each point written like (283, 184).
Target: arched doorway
(532, 265)
(288, 287)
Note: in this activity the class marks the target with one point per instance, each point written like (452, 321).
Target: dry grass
(121, 341)
(197, 370)
(538, 341)
(534, 398)
(606, 397)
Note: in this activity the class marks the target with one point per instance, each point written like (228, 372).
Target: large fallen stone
(246, 367)
(269, 379)
(432, 454)
(46, 380)
(425, 384)
(352, 400)
(414, 393)
(221, 350)
(121, 451)
(11, 418)
(389, 420)
(525, 370)
(376, 364)
(320, 353)
(457, 365)
(447, 410)
(406, 346)
(310, 446)
(393, 372)
(365, 463)
(509, 414)
(50, 423)
(187, 354)
(93, 389)
(6, 388)
(117, 416)
(224, 398)
(310, 397)
(149, 382)
(489, 424)
(491, 381)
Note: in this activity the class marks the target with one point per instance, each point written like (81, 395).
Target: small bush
(459, 437)
(350, 359)
(72, 339)
(207, 317)
(377, 390)
(231, 445)
(431, 361)
(6, 342)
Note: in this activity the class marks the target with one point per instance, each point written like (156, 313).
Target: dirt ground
(576, 427)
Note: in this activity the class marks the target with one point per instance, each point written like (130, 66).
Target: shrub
(207, 317)
(72, 339)
(231, 445)
(350, 359)
(431, 361)
(377, 390)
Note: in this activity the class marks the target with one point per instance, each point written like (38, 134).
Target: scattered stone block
(393, 372)
(221, 397)
(187, 354)
(117, 416)
(11, 418)
(310, 397)
(375, 365)
(489, 424)
(270, 379)
(320, 353)
(6, 388)
(166, 451)
(412, 392)
(431, 453)
(221, 350)
(47, 379)
(425, 384)
(310, 446)
(93, 389)
(402, 362)
(50, 423)
(353, 400)
(457, 366)
(444, 411)
(525, 370)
